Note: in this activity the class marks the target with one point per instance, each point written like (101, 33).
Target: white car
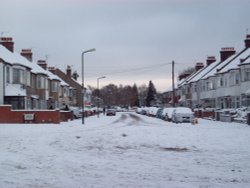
(168, 112)
(77, 112)
(182, 114)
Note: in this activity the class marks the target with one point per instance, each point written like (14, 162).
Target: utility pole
(173, 99)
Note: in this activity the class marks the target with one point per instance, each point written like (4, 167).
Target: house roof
(17, 59)
(230, 63)
(185, 80)
(246, 61)
(13, 58)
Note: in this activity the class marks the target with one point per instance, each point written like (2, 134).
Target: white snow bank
(127, 150)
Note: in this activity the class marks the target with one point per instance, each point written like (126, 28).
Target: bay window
(40, 82)
(18, 76)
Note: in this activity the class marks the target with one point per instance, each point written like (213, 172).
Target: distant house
(75, 89)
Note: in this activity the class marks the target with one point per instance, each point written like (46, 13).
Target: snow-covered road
(127, 150)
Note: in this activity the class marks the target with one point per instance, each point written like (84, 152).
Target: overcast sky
(135, 40)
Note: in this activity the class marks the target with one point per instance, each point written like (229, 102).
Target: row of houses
(25, 84)
(219, 83)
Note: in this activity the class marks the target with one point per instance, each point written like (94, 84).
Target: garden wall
(7, 115)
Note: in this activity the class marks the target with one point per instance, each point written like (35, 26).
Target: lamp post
(83, 92)
(98, 94)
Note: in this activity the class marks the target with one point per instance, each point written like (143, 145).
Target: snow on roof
(14, 90)
(200, 73)
(55, 77)
(230, 63)
(246, 61)
(187, 80)
(36, 69)
(13, 58)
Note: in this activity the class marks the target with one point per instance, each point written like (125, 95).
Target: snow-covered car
(77, 112)
(182, 114)
(110, 112)
(168, 112)
(152, 111)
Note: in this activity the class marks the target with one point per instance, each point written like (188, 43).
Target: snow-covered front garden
(126, 150)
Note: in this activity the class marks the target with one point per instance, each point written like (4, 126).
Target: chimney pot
(247, 41)
(68, 71)
(27, 53)
(210, 60)
(42, 63)
(199, 66)
(226, 53)
(7, 42)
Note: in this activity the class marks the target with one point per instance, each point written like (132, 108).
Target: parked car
(182, 114)
(159, 113)
(77, 112)
(168, 112)
(110, 112)
(152, 111)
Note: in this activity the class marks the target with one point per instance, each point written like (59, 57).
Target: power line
(146, 68)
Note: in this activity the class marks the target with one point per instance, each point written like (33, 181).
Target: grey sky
(127, 34)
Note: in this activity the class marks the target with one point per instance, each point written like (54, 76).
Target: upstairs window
(40, 82)
(55, 86)
(8, 74)
(247, 75)
(221, 82)
(18, 76)
(28, 78)
(237, 78)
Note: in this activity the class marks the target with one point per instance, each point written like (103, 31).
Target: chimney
(75, 75)
(42, 63)
(210, 60)
(52, 69)
(247, 41)
(68, 71)
(7, 43)
(27, 53)
(226, 53)
(198, 66)
(184, 75)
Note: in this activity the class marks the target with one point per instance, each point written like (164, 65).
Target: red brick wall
(17, 116)
(66, 115)
(204, 114)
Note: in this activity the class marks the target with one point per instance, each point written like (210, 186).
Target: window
(66, 91)
(194, 88)
(54, 86)
(8, 74)
(18, 76)
(247, 75)
(237, 78)
(221, 82)
(28, 78)
(40, 82)
(225, 81)
(237, 102)
(210, 85)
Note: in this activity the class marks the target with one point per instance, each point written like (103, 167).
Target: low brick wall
(66, 115)
(204, 113)
(7, 115)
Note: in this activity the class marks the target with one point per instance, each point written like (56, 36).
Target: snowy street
(126, 150)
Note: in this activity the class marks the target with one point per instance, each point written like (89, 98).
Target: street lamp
(98, 94)
(84, 52)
